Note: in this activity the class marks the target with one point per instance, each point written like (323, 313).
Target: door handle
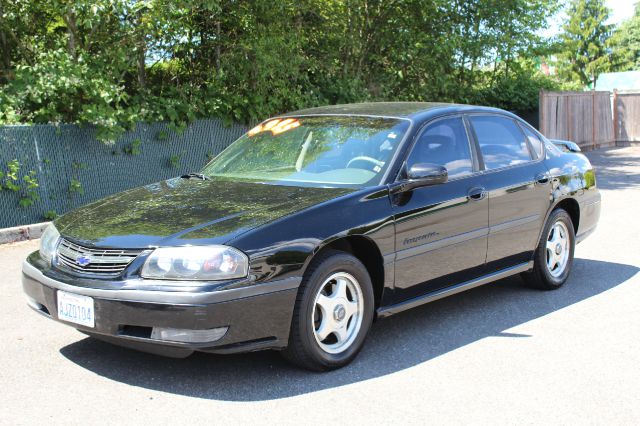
(542, 178)
(477, 193)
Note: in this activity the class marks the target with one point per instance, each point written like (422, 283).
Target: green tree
(23, 31)
(112, 63)
(625, 43)
(583, 52)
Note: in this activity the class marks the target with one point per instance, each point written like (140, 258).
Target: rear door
(519, 189)
(441, 230)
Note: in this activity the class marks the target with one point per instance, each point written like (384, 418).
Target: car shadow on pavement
(397, 343)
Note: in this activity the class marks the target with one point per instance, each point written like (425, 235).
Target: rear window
(501, 141)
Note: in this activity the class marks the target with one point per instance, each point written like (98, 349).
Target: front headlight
(49, 242)
(206, 263)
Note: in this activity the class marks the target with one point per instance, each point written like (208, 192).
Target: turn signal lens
(188, 336)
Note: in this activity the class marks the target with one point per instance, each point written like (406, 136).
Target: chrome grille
(94, 260)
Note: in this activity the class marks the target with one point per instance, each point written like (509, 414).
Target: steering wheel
(377, 163)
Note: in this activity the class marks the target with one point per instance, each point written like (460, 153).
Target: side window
(501, 141)
(535, 141)
(444, 143)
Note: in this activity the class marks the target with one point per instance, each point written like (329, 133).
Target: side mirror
(423, 174)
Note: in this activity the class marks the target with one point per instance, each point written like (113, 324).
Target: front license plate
(75, 308)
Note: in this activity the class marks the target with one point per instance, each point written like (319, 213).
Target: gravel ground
(498, 354)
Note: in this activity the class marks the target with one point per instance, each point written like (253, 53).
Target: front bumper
(257, 317)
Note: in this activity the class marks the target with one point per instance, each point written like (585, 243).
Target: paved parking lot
(498, 354)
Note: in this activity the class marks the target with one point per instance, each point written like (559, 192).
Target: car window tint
(534, 140)
(444, 143)
(501, 142)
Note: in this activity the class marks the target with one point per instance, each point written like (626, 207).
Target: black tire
(303, 349)
(540, 277)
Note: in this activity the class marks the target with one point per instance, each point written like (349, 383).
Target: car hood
(186, 211)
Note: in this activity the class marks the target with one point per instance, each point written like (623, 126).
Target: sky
(620, 10)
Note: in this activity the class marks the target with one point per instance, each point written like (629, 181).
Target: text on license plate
(75, 308)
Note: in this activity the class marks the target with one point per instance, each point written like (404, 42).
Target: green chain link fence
(72, 168)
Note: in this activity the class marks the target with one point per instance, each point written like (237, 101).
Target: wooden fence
(591, 119)
(582, 117)
(626, 117)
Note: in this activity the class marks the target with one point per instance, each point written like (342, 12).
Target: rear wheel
(333, 313)
(554, 255)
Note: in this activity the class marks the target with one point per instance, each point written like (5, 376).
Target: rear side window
(501, 142)
(535, 141)
(444, 143)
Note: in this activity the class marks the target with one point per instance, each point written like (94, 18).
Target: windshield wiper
(195, 175)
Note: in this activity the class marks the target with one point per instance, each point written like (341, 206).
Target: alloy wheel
(558, 247)
(338, 312)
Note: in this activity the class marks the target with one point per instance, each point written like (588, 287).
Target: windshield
(313, 151)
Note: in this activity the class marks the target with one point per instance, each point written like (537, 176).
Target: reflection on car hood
(181, 212)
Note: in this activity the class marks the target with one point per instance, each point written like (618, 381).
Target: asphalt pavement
(501, 353)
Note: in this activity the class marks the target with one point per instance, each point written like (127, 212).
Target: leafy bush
(26, 186)
(75, 187)
(516, 90)
(60, 89)
(133, 148)
(113, 63)
(49, 215)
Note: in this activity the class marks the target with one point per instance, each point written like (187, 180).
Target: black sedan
(312, 225)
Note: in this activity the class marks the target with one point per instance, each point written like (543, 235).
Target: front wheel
(554, 255)
(333, 313)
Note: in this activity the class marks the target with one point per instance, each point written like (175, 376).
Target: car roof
(411, 110)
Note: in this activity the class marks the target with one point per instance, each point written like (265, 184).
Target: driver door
(441, 230)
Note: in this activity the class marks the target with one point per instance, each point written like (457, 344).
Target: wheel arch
(366, 251)
(568, 204)
(572, 207)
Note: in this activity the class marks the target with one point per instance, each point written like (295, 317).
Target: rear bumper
(259, 318)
